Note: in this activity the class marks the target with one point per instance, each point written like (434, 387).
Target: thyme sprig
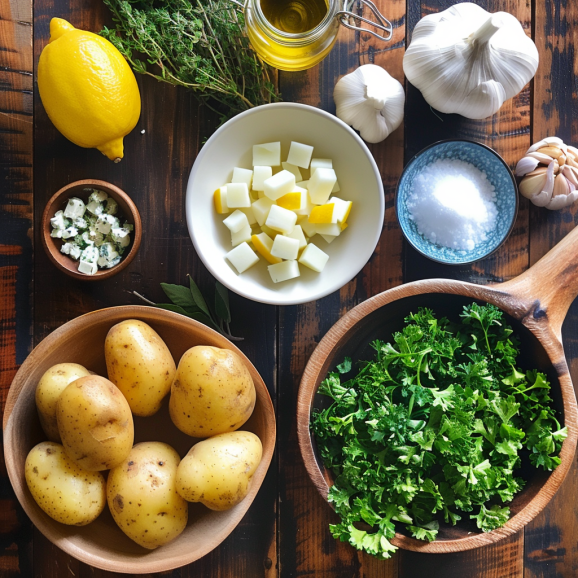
(197, 44)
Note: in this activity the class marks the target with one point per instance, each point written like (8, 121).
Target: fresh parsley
(433, 429)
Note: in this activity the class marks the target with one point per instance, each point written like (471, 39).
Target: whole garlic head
(550, 171)
(371, 101)
(468, 61)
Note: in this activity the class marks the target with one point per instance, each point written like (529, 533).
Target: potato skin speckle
(65, 491)
(212, 392)
(141, 491)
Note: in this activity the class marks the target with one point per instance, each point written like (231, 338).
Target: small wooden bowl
(102, 543)
(536, 303)
(58, 202)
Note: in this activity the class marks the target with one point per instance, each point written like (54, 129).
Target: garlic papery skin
(550, 174)
(371, 101)
(465, 60)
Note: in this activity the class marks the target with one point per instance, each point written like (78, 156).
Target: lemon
(88, 89)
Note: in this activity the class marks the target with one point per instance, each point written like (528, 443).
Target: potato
(95, 423)
(142, 495)
(49, 388)
(61, 488)
(218, 470)
(140, 364)
(212, 393)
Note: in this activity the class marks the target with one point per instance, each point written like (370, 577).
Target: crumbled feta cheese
(107, 253)
(112, 263)
(80, 223)
(121, 236)
(57, 233)
(94, 207)
(58, 221)
(75, 208)
(87, 268)
(111, 206)
(70, 232)
(98, 196)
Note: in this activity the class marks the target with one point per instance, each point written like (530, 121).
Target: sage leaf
(179, 295)
(198, 297)
(222, 302)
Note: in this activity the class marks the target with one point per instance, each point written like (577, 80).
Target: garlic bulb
(550, 171)
(465, 60)
(371, 101)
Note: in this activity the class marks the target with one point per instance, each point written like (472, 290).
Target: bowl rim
(332, 287)
(46, 526)
(396, 200)
(49, 244)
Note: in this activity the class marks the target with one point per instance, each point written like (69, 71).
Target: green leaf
(222, 302)
(179, 295)
(344, 367)
(173, 308)
(197, 297)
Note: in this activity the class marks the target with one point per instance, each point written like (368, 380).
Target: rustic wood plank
(550, 539)
(154, 172)
(508, 132)
(15, 250)
(307, 547)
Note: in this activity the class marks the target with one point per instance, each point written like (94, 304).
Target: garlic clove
(559, 194)
(571, 173)
(543, 198)
(532, 186)
(573, 151)
(551, 151)
(525, 165)
(544, 159)
(549, 140)
(538, 171)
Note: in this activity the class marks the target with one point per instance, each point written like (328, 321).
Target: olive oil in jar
(292, 34)
(294, 16)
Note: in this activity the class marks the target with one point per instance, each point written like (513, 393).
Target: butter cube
(263, 243)
(292, 169)
(269, 231)
(268, 154)
(320, 164)
(242, 176)
(308, 228)
(285, 247)
(314, 258)
(333, 229)
(238, 195)
(336, 187)
(250, 215)
(306, 208)
(300, 155)
(279, 185)
(220, 198)
(280, 219)
(284, 271)
(261, 210)
(236, 221)
(341, 210)
(329, 238)
(304, 184)
(242, 236)
(260, 175)
(321, 185)
(242, 257)
(297, 233)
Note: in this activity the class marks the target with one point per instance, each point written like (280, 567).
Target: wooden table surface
(285, 533)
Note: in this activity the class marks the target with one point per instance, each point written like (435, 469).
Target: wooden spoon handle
(550, 286)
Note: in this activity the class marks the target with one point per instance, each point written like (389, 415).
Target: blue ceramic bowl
(498, 173)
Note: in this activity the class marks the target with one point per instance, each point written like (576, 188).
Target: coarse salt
(453, 204)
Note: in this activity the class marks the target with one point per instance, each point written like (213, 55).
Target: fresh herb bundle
(198, 44)
(189, 301)
(434, 428)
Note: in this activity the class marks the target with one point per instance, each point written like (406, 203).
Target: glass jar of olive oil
(297, 34)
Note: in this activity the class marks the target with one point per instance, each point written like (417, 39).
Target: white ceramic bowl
(357, 174)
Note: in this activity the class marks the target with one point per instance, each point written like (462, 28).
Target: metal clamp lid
(382, 24)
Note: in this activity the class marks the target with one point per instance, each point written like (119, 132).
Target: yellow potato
(95, 423)
(142, 495)
(140, 364)
(49, 388)
(61, 488)
(212, 393)
(218, 470)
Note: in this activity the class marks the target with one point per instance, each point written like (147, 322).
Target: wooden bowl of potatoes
(146, 507)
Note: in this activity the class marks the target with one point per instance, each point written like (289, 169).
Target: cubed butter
(220, 198)
(284, 271)
(238, 195)
(320, 185)
(279, 185)
(236, 221)
(281, 219)
(250, 215)
(320, 164)
(242, 257)
(241, 236)
(342, 209)
(293, 169)
(300, 155)
(260, 175)
(285, 247)
(242, 176)
(297, 233)
(263, 243)
(267, 154)
(261, 209)
(329, 238)
(328, 229)
(314, 258)
(308, 228)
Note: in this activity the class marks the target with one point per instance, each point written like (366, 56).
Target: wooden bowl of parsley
(440, 416)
